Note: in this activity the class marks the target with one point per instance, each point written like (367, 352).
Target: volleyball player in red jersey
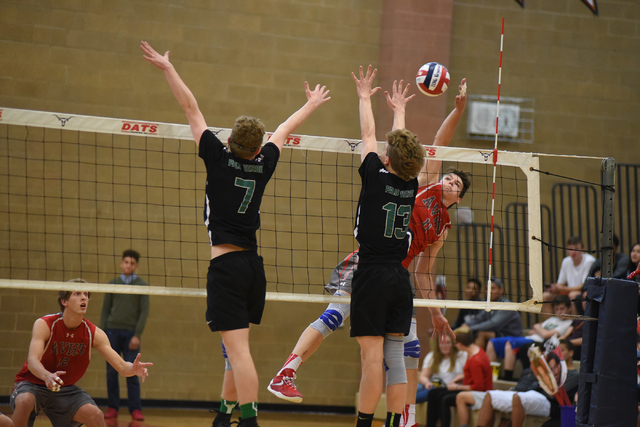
(59, 354)
(429, 224)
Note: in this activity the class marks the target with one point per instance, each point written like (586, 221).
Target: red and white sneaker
(283, 386)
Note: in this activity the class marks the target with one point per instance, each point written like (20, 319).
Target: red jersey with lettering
(66, 350)
(429, 220)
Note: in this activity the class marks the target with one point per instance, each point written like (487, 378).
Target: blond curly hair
(406, 154)
(246, 136)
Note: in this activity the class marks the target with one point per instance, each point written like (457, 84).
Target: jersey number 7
(249, 185)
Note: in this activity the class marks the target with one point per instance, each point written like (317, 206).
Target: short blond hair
(406, 154)
(246, 136)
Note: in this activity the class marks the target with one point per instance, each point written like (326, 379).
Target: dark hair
(475, 281)
(465, 177)
(569, 344)
(130, 253)
(464, 338)
(574, 240)
(498, 282)
(553, 356)
(616, 241)
(562, 299)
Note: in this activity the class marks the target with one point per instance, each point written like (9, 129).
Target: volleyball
(432, 79)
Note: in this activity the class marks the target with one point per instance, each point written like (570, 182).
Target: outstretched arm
(431, 168)
(315, 98)
(180, 90)
(126, 369)
(424, 283)
(398, 102)
(367, 123)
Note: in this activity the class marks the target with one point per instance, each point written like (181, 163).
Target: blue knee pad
(394, 360)
(227, 364)
(331, 319)
(412, 348)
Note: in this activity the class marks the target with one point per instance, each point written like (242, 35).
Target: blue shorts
(500, 342)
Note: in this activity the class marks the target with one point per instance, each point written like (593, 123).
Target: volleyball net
(76, 191)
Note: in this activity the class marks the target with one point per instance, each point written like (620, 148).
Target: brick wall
(251, 57)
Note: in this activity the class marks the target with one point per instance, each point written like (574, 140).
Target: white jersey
(443, 373)
(572, 275)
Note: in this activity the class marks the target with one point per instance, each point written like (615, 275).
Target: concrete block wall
(252, 57)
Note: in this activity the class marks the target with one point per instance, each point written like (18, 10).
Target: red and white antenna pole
(495, 162)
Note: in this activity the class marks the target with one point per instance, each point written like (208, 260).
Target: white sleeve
(428, 359)
(562, 277)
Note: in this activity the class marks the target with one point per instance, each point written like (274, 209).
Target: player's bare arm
(431, 169)
(180, 90)
(367, 122)
(39, 336)
(127, 369)
(315, 98)
(397, 101)
(424, 283)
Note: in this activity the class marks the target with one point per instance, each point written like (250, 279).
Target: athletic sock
(393, 419)
(508, 375)
(249, 410)
(364, 420)
(293, 362)
(411, 411)
(226, 406)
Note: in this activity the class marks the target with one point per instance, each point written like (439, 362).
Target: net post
(535, 228)
(608, 191)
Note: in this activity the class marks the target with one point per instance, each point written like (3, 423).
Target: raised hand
(461, 99)
(319, 95)
(140, 368)
(160, 61)
(398, 98)
(363, 84)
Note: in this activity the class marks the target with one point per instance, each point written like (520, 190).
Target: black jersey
(234, 191)
(384, 213)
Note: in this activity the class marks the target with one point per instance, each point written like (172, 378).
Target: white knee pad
(394, 360)
(227, 364)
(412, 348)
(332, 318)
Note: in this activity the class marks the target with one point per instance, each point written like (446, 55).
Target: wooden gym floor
(200, 418)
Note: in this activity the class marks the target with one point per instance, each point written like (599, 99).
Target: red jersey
(478, 373)
(66, 350)
(429, 219)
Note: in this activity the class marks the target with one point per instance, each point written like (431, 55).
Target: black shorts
(60, 406)
(236, 288)
(382, 301)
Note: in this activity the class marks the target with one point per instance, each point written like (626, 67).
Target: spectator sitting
(443, 364)
(471, 293)
(575, 331)
(477, 376)
(504, 347)
(573, 272)
(496, 323)
(528, 398)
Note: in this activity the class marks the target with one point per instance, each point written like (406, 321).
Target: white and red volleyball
(432, 79)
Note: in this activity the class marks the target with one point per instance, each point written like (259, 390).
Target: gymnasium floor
(201, 418)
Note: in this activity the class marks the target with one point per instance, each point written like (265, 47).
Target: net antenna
(493, 182)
